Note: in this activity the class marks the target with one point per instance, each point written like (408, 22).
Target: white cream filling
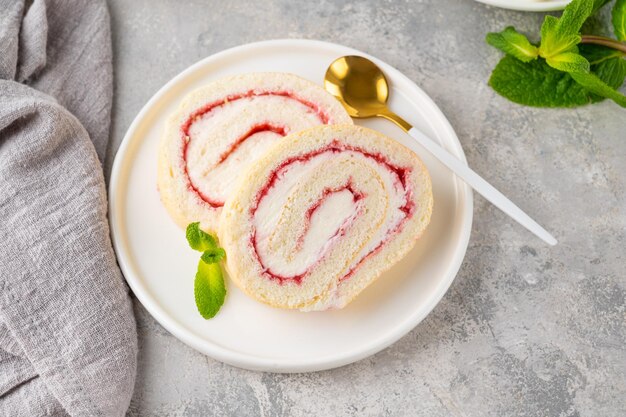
(395, 215)
(213, 134)
(333, 213)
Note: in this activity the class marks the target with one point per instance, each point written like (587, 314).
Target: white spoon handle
(482, 187)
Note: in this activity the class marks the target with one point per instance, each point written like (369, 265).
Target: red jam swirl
(257, 128)
(400, 173)
(356, 197)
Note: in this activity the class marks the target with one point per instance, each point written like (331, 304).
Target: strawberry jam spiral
(317, 214)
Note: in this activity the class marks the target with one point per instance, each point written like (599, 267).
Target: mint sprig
(566, 69)
(208, 287)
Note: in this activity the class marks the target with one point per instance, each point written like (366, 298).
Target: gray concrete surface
(525, 330)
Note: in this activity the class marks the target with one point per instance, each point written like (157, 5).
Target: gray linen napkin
(68, 341)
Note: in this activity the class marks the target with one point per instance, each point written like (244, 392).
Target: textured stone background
(525, 329)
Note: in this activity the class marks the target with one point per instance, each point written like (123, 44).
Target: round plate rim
(260, 363)
(528, 6)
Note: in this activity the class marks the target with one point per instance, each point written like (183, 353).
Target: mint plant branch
(566, 68)
(604, 41)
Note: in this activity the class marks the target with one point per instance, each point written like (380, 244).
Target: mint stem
(608, 42)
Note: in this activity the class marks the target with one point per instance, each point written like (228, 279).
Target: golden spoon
(363, 90)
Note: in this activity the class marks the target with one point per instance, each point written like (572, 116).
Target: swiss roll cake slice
(322, 215)
(227, 125)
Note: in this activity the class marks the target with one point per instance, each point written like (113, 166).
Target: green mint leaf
(562, 35)
(618, 17)
(536, 84)
(573, 17)
(607, 64)
(569, 62)
(209, 289)
(214, 255)
(595, 85)
(198, 239)
(554, 45)
(553, 42)
(513, 43)
(612, 71)
(548, 34)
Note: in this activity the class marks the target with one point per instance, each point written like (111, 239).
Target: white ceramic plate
(528, 5)
(160, 267)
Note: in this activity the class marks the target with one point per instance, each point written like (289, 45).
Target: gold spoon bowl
(362, 89)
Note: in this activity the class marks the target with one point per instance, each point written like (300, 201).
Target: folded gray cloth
(68, 341)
